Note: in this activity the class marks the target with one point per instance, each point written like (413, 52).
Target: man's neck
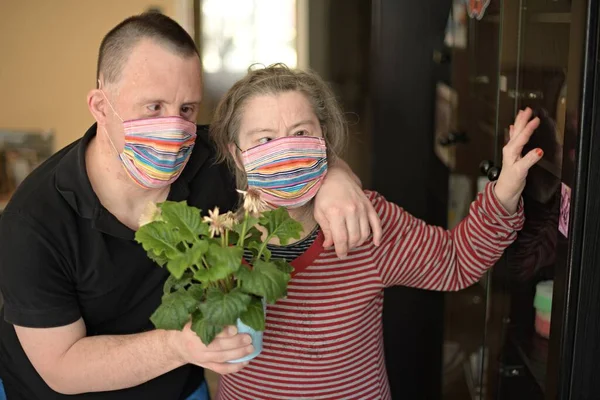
(116, 191)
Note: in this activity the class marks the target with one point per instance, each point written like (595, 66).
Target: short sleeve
(35, 281)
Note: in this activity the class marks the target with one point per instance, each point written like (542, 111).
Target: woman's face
(268, 117)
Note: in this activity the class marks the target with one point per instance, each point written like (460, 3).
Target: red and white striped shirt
(325, 339)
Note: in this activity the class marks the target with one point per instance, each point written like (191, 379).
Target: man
(78, 290)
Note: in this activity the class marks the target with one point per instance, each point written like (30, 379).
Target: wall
(48, 53)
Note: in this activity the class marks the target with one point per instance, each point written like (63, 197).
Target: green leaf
(283, 265)
(203, 329)
(196, 291)
(182, 261)
(174, 312)
(250, 222)
(255, 248)
(224, 308)
(222, 262)
(233, 238)
(254, 235)
(279, 224)
(186, 219)
(254, 316)
(264, 280)
(160, 259)
(159, 238)
(173, 284)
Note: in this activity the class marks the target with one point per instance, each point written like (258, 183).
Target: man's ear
(237, 156)
(97, 106)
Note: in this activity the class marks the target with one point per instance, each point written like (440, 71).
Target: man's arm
(71, 363)
(343, 211)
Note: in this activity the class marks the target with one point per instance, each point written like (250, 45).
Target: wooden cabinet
(540, 54)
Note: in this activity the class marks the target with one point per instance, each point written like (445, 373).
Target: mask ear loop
(118, 116)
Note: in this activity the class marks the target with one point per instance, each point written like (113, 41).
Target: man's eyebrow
(147, 100)
(193, 102)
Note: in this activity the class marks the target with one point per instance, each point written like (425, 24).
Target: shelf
(537, 18)
(533, 351)
(551, 18)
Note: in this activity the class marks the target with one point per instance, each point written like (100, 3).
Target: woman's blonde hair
(272, 80)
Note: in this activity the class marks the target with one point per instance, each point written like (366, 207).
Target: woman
(277, 128)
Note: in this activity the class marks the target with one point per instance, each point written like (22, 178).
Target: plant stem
(244, 228)
(264, 245)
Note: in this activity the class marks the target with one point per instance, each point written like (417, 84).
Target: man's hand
(227, 346)
(344, 213)
(71, 363)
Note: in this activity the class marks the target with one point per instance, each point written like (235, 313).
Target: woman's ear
(236, 154)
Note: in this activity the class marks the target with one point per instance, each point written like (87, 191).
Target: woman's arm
(416, 254)
(428, 257)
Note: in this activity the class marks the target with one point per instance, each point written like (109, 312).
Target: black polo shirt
(64, 256)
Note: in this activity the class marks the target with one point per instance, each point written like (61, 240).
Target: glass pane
(536, 74)
(475, 80)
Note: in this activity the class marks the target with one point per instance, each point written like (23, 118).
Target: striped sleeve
(418, 255)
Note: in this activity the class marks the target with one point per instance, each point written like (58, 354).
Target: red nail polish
(539, 152)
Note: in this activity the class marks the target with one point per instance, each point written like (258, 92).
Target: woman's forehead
(272, 111)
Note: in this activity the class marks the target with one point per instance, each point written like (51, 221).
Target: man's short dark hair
(119, 42)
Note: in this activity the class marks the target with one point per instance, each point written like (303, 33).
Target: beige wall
(48, 51)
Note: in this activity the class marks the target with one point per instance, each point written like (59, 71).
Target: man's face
(154, 82)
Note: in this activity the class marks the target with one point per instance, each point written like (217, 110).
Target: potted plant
(209, 280)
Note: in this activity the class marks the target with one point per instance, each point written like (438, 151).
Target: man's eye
(302, 132)
(186, 110)
(154, 107)
(264, 140)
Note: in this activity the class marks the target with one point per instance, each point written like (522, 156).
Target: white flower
(253, 202)
(150, 213)
(229, 221)
(215, 221)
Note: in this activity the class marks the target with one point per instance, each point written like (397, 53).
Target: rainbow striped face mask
(156, 149)
(288, 171)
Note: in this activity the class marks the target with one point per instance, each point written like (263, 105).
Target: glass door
(469, 151)
(540, 66)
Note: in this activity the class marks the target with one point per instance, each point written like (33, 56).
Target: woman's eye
(154, 107)
(264, 140)
(302, 132)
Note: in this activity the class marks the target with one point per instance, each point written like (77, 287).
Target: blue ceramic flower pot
(257, 338)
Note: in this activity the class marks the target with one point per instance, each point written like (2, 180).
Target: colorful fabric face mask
(156, 149)
(288, 171)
